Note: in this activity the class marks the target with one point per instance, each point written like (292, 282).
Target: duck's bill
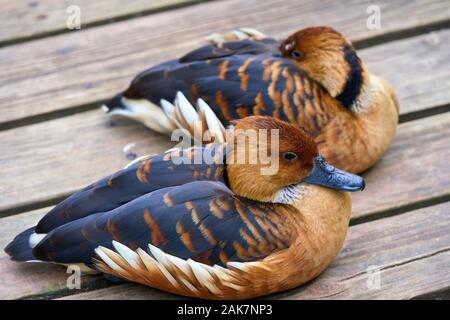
(324, 174)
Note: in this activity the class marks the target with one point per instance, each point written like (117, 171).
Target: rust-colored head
(327, 56)
(266, 155)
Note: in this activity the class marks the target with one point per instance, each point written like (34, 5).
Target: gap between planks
(171, 5)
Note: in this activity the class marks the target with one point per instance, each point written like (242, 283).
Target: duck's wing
(235, 35)
(200, 220)
(172, 168)
(240, 47)
(234, 86)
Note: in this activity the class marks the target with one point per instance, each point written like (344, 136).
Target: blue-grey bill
(324, 174)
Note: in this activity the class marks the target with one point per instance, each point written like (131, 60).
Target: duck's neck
(324, 212)
(350, 84)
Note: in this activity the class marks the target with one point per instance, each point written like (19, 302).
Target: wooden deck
(54, 138)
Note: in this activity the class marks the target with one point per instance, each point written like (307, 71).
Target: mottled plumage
(314, 79)
(236, 79)
(213, 227)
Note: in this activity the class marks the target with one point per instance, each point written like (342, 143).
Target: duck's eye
(289, 156)
(296, 54)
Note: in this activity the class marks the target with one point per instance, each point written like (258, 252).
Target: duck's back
(239, 79)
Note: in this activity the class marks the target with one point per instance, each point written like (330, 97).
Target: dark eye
(289, 156)
(296, 54)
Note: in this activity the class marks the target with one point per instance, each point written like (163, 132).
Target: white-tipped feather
(237, 265)
(203, 276)
(148, 261)
(186, 110)
(137, 160)
(167, 106)
(194, 122)
(253, 33)
(215, 127)
(240, 35)
(169, 111)
(129, 255)
(173, 113)
(180, 263)
(214, 279)
(146, 112)
(172, 150)
(159, 255)
(215, 38)
(235, 35)
(189, 285)
(35, 238)
(102, 253)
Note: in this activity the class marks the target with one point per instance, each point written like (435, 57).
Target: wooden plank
(54, 158)
(414, 169)
(411, 253)
(24, 18)
(26, 279)
(414, 66)
(91, 65)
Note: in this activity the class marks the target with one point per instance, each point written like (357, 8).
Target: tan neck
(332, 212)
(325, 222)
(346, 80)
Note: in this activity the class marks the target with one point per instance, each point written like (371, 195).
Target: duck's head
(329, 58)
(281, 156)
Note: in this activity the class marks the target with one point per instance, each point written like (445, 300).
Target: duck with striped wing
(313, 79)
(220, 228)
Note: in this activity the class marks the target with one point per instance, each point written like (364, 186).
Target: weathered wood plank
(26, 279)
(24, 18)
(413, 170)
(20, 279)
(414, 66)
(53, 158)
(411, 253)
(91, 65)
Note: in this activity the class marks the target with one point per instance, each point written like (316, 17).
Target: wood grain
(91, 65)
(53, 158)
(21, 280)
(414, 169)
(415, 67)
(411, 253)
(57, 157)
(25, 18)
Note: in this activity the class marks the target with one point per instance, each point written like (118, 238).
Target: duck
(222, 227)
(314, 78)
